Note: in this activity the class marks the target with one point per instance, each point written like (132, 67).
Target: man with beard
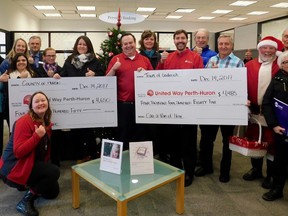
(259, 74)
(224, 59)
(181, 139)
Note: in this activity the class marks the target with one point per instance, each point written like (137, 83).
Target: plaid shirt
(231, 61)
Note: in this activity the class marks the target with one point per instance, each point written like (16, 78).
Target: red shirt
(125, 74)
(182, 60)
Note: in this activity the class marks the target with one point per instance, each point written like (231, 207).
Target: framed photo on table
(111, 156)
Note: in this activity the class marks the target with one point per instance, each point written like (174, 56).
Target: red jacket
(18, 158)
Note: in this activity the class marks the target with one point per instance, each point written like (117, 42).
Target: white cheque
(216, 96)
(76, 102)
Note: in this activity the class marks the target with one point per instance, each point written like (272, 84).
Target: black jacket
(153, 59)
(278, 88)
(69, 70)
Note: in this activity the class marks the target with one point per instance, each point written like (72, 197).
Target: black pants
(257, 164)
(127, 130)
(43, 180)
(180, 140)
(56, 142)
(208, 136)
(162, 141)
(280, 161)
(85, 143)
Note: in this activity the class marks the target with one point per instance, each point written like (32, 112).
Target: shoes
(26, 205)
(201, 171)
(188, 180)
(272, 195)
(252, 174)
(224, 178)
(267, 183)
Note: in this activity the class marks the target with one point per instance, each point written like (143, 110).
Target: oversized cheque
(76, 102)
(199, 96)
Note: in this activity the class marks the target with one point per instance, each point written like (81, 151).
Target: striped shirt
(231, 61)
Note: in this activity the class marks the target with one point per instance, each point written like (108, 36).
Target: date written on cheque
(216, 78)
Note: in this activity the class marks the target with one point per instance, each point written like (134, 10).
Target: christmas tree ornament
(110, 34)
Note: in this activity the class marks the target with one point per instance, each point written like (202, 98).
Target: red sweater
(125, 74)
(184, 60)
(18, 158)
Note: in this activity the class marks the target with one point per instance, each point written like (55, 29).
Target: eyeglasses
(285, 62)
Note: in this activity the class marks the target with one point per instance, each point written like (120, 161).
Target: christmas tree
(110, 46)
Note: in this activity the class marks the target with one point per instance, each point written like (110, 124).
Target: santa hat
(272, 41)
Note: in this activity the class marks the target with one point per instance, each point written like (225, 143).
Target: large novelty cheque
(216, 96)
(76, 102)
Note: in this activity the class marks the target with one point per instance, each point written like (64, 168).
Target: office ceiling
(67, 9)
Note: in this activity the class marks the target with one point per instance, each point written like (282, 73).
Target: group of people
(31, 141)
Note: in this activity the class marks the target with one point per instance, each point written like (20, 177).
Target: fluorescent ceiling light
(87, 15)
(280, 5)
(85, 8)
(222, 11)
(173, 17)
(184, 10)
(206, 17)
(52, 14)
(145, 9)
(44, 7)
(258, 12)
(242, 3)
(238, 18)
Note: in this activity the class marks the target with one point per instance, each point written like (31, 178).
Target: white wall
(97, 25)
(274, 28)
(14, 18)
(245, 37)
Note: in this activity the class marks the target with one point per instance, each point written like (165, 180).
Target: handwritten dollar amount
(227, 93)
(99, 100)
